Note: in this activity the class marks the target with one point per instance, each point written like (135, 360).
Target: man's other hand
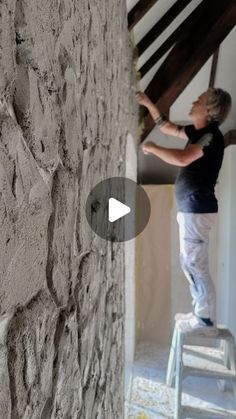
(148, 147)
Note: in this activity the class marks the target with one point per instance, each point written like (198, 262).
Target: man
(200, 163)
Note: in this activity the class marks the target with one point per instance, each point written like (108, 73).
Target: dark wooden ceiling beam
(138, 11)
(186, 59)
(230, 137)
(181, 32)
(193, 42)
(162, 24)
(214, 68)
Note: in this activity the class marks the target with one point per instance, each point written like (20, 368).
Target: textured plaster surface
(66, 106)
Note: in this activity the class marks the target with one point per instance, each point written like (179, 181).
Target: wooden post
(214, 68)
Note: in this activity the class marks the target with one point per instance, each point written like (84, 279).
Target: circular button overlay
(117, 209)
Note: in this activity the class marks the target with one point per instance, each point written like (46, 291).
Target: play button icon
(117, 209)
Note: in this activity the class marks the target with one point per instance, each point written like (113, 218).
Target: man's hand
(168, 127)
(148, 147)
(143, 99)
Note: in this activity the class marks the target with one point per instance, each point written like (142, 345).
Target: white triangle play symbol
(116, 210)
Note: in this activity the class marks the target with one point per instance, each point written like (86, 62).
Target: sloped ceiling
(175, 39)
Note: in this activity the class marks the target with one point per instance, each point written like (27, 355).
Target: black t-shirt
(195, 183)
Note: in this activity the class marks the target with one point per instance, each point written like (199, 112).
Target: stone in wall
(66, 106)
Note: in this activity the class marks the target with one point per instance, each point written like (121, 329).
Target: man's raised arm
(166, 126)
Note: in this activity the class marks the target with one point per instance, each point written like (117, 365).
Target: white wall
(225, 78)
(227, 241)
(162, 289)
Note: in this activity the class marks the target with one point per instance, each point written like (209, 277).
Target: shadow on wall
(151, 169)
(154, 171)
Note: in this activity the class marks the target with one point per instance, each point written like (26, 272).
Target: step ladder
(224, 345)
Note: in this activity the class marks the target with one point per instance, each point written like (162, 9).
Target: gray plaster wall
(66, 107)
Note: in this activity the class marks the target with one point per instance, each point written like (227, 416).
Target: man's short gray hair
(218, 105)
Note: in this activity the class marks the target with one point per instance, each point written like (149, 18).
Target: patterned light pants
(194, 238)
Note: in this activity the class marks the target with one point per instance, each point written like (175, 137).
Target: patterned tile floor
(152, 399)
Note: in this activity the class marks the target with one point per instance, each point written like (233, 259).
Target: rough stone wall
(66, 106)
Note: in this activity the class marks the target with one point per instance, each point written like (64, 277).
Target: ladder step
(208, 373)
(180, 366)
(198, 413)
(206, 353)
(223, 333)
